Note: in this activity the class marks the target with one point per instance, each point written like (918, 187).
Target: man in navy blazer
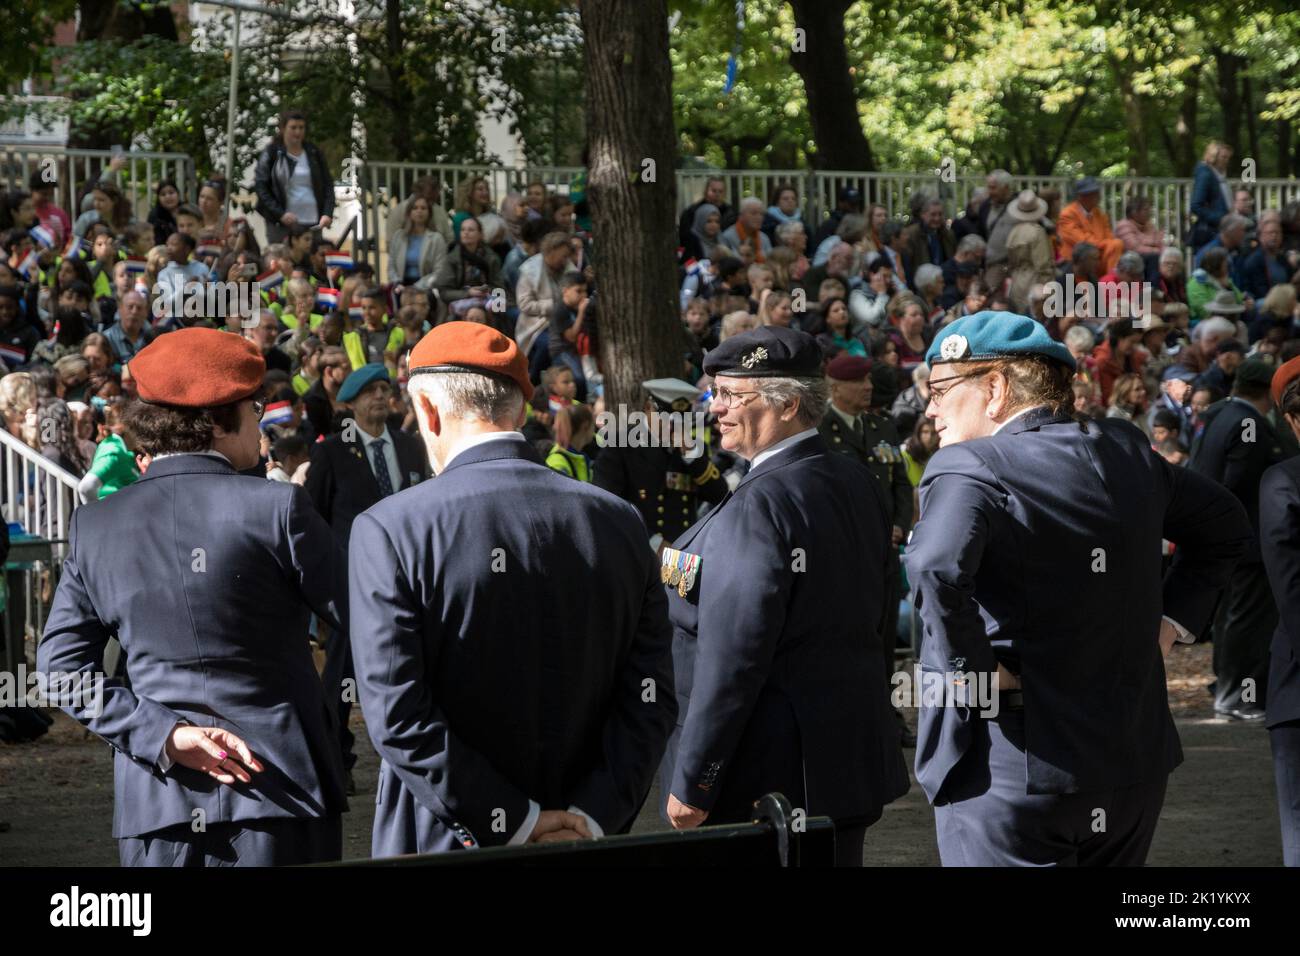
(1037, 559)
(1279, 534)
(351, 470)
(776, 603)
(1236, 447)
(512, 643)
(224, 746)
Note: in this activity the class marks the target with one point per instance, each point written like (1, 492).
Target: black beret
(770, 351)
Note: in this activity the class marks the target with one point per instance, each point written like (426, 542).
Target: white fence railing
(37, 493)
(70, 171)
(382, 185)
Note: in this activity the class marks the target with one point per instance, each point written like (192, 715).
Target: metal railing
(72, 171)
(37, 493)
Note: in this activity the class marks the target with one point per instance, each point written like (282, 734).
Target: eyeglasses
(725, 396)
(937, 394)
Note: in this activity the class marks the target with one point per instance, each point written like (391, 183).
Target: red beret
(848, 368)
(471, 347)
(1286, 373)
(198, 368)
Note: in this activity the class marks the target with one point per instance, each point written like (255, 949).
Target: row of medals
(675, 577)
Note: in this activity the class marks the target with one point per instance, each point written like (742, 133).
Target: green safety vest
(571, 463)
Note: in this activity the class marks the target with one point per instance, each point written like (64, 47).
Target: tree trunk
(1252, 121)
(1183, 156)
(1283, 148)
(832, 103)
(1229, 90)
(633, 207)
(1134, 123)
(400, 94)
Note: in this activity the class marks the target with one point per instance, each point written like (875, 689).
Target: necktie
(857, 427)
(381, 467)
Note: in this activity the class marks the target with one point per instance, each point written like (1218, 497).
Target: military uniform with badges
(873, 441)
(666, 487)
(1014, 523)
(778, 669)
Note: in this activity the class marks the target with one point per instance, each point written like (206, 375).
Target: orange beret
(198, 368)
(471, 347)
(1286, 373)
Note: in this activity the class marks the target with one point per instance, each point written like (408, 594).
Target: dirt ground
(1221, 810)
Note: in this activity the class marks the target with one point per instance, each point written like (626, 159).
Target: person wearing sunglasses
(1053, 741)
(225, 747)
(776, 598)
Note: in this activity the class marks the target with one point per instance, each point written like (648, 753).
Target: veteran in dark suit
(663, 470)
(351, 470)
(1038, 559)
(872, 440)
(513, 651)
(1279, 534)
(1236, 447)
(224, 746)
(776, 603)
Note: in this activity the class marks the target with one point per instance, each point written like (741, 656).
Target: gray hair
(1131, 262)
(471, 396)
(921, 373)
(852, 227)
(1214, 325)
(1232, 221)
(812, 394)
(788, 229)
(971, 243)
(926, 274)
(1171, 252)
(1080, 336)
(1001, 177)
(749, 202)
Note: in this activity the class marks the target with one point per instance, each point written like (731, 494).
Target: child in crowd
(568, 459)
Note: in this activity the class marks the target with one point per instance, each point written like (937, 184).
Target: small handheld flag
(207, 249)
(42, 236)
(327, 298)
(277, 413)
(12, 355)
(28, 267)
(339, 260)
(356, 313)
(73, 250)
(136, 267)
(271, 281)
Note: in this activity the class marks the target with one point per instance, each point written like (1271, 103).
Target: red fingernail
(222, 755)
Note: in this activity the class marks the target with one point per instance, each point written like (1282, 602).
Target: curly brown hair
(166, 429)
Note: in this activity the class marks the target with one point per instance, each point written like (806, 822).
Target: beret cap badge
(754, 357)
(954, 347)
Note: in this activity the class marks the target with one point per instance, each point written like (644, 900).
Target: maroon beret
(198, 368)
(848, 368)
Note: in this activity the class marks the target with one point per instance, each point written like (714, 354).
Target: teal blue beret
(993, 335)
(354, 383)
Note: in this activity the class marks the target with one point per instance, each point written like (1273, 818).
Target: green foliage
(25, 37)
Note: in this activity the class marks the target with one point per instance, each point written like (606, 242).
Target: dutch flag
(73, 250)
(277, 413)
(356, 313)
(271, 280)
(208, 249)
(136, 267)
(339, 260)
(12, 355)
(28, 267)
(327, 298)
(42, 236)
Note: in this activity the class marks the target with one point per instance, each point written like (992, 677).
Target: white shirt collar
(207, 454)
(784, 443)
(1018, 414)
(368, 439)
(471, 441)
(845, 417)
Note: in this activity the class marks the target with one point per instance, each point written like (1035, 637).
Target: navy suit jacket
(777, 644)
(216, 637)
(511, 643)
(1261, 271)
(1279, 520)
(1223, 454)
(1208, 204)
(341, 481)
(1007, 562)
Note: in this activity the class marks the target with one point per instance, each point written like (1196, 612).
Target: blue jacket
(776, 648)
(1208, 204)
(1279, 516)
(208, 579)
(1039, 547)
(512, 646)
(1260, 271)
